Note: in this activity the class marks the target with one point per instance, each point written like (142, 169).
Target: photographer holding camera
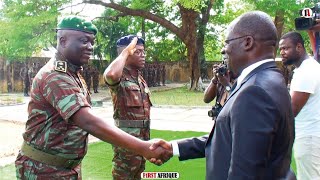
(219, 88)
(310, 21)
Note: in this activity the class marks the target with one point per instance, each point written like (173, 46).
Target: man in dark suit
(254, 132)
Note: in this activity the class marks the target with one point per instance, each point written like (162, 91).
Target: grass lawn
(178, 96)
(97, 163)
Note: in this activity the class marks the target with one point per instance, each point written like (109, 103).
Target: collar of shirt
(134, 73)
(302, 64)
(250, 68)
(73, 68)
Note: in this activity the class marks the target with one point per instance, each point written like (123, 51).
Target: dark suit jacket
(253, 134)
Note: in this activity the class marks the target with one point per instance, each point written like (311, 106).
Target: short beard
(289, 62)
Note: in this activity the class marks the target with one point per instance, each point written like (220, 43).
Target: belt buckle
(72, 163)
(146, 123)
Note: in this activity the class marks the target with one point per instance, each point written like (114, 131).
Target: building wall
(176, 72)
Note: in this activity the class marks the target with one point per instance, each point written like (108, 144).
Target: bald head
(251, 37)
(257, 24)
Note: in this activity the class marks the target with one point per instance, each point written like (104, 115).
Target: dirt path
(10, 138)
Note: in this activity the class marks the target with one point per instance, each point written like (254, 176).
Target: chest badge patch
(60, 66)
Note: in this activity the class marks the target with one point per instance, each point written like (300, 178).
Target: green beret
(78, 24)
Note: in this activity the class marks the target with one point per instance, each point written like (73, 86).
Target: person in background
(95, 79)
(219, 88)
(87, 72)
(25, 79)
(305, 101)
(131, 103)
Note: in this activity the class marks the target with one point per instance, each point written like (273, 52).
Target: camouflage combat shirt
(131, 97)
(55, 97)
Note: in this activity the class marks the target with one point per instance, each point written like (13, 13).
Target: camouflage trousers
(26, 87)
(29, 169)
(128, 165)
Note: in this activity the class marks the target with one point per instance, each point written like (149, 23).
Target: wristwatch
(228, 88)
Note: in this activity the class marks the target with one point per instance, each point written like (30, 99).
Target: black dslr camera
(308, 17)
(215, 110)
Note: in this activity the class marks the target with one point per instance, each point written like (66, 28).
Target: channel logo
(307, 13)
(160, 175)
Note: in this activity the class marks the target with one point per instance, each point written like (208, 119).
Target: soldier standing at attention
(95, 79)
(163, 75)
(87, 76)
(32, 73)
(25, 78)
(130, 96)
(60, 116)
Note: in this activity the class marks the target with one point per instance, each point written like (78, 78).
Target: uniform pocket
(133, 96)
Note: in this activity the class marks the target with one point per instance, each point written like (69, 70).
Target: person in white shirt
(305, 100)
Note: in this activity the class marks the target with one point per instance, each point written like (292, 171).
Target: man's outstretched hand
(165, 147)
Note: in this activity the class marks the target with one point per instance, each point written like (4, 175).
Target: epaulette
(60, 66)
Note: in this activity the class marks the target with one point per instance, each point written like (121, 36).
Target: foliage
(27, 26)
(39, 18)
(290, 12)
(191, 4)
(166, 49)
(109, 32)
(160, 43)
(272, 6)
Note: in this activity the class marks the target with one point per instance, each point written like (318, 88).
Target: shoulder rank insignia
(60, 66)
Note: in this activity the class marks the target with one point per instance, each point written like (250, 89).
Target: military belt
(47, 158)
(132, 123)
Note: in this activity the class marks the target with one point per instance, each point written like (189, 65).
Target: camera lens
(222, 70)
(210, 113)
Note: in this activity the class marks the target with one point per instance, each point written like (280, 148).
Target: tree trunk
(143, 28)
(194, 65)
(203, 21)
(279, 22)
(189, 27)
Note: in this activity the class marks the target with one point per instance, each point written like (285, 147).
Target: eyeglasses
(140, 52)
(229, 40)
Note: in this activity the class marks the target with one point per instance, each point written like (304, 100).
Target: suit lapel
(262, 67)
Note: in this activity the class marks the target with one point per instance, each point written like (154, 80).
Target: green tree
(27, 26)
(284, 12)
(185, 26)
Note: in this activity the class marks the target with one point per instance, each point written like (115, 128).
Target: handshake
(159, 151)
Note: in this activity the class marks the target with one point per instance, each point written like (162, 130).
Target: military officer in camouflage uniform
(130, 95)
(60, 117)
